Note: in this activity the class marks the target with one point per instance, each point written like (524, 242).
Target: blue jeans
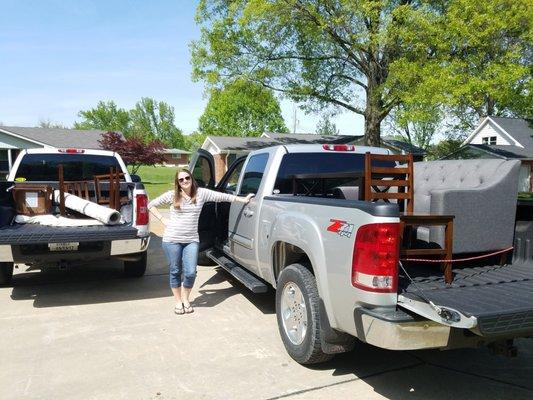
(182, 258)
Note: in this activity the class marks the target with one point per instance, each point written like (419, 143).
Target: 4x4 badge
(342, 228)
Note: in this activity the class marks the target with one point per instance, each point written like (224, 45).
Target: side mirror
(135, 178)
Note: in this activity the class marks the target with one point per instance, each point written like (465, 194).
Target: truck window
(76, 167)
(202, 172)
(254, 173)
(317, 174)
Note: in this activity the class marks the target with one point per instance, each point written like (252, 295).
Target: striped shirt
(183, 225)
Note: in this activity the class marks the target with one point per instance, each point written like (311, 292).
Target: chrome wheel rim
(293, 313)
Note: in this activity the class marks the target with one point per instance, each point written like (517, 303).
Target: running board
(239, 273)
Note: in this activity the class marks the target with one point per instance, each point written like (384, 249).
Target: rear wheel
(6, 273)
(135, 269)
(298, 315)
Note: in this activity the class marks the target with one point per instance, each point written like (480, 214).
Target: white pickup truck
(334, 262)
(43, 246)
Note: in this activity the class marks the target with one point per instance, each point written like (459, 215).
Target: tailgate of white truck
(491, 300)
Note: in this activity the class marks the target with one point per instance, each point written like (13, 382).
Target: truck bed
(34, 234)
(499, 297)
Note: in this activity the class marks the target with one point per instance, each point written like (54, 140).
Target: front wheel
(135, 269)
(6, 273)
(298, 315)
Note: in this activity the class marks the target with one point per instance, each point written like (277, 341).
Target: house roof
(515, 129)
(176, 151)
(229, 143)
(508, 152)
(55, 137)
(518, 128)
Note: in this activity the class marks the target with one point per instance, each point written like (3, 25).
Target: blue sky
(60, 57)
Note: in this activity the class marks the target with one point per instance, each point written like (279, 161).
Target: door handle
(248, 213)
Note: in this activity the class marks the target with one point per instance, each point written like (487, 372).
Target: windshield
(76, 167)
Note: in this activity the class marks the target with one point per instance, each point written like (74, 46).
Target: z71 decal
(342, 228)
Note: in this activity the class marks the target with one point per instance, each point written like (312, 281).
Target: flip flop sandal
(179, 310)
(188, 309)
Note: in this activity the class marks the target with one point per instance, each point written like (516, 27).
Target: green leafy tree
(326, 127)
(155, 120)
(105, 116)
(241, 109)
(194, 141)
(443, 148)
(370, 56)
(418, 132)
(473, 61)
(148, 120)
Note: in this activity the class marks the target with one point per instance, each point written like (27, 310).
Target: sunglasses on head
(187, 178)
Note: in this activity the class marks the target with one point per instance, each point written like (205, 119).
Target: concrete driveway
(88, 333)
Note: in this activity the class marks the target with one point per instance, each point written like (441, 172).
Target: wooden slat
(389, 182)
(419, 252)
(400, 196)
(390, 157)
(389, 170)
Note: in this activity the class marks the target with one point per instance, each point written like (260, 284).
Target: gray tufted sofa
(480, 193)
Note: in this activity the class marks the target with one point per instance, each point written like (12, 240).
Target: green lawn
(157, 180)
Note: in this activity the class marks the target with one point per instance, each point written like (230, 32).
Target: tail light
(142, 209)
(71, 151)
(338, 147)
(375, 258)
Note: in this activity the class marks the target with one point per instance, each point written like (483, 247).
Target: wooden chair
(379, 179)
(113, 199)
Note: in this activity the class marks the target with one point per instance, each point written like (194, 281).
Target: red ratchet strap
(458, 259)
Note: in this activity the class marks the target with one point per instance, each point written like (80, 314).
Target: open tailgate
(491, 300)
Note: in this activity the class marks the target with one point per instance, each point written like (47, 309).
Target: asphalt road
(89, 333)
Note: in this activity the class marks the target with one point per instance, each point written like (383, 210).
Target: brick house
(175, 157)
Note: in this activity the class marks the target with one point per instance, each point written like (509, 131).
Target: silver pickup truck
(334, 262)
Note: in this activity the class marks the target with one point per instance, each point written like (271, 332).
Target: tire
(135, 269)
(297, 300)
(6, 273)
(205, 261)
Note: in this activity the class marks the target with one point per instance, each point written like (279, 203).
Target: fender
(295, 228)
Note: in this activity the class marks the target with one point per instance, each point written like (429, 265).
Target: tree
(107, 117)
(47, 123)
(241, 108)
(133, 150)
(148, 120)
(326, 127)
(156, 121)
(479, 62)
(370, 56)
(443, 148)
(194, 141)
(419, 132)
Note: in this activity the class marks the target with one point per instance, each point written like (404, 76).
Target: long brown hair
(177, 188)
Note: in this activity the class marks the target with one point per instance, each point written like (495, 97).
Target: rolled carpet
(103, 214)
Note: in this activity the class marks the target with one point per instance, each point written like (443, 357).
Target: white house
(508, 138)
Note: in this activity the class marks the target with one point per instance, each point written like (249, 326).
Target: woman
(180, 238)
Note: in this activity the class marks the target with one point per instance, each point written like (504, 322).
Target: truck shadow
(92, 283)
(210, 296)
(434, 374)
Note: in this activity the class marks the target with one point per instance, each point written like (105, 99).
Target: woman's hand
(247, 199)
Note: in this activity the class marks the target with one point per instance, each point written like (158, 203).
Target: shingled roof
(56, 137)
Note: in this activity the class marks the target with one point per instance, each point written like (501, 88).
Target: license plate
(69, 246)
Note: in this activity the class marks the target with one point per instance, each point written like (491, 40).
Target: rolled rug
(103, 214)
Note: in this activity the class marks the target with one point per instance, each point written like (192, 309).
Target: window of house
(490, 140)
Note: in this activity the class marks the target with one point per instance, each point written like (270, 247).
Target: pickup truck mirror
(135, 178)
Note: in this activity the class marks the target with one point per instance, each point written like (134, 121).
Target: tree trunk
(373, 110)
